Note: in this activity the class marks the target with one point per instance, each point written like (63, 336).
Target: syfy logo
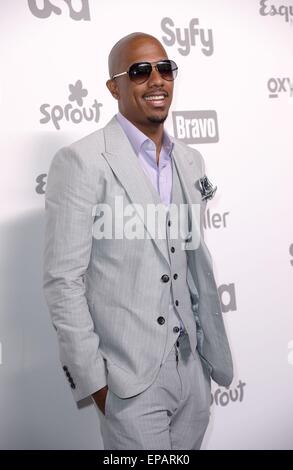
(227, 296)
(224, 398)
(187, 37)
(48, 8)
(291, 253)
(196, 127)
(267, 8)
(280, 85)
(56, 113)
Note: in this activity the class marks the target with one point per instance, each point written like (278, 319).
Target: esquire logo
(268, 8)
(76, 113)
(196, 127)
(48, 7)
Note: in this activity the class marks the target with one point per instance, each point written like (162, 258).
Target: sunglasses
(140, 72)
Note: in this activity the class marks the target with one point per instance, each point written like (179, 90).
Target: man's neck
(154, 132)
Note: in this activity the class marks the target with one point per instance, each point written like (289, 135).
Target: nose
(155, 77)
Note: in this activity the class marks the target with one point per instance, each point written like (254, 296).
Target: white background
(251, 165)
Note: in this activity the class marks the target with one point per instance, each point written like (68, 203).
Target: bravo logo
(196, 127)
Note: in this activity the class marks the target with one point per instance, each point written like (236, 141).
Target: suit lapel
(125, 165)
(186, 172)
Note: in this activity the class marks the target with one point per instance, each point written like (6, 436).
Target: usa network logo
(68, 112)
(49, 7)
(196, 127)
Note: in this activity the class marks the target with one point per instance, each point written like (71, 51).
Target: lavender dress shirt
(160, 175)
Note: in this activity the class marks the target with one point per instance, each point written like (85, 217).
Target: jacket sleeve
(71, 195)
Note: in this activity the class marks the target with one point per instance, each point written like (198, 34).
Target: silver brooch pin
(206, 188)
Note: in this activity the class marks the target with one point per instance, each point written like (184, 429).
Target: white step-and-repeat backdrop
(234, 103)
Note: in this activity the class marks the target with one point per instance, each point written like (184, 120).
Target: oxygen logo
(196, 127)
(48, 8)
(280, 85)
(224, 398)
(56, 113)
(267, 8)
(187, 38)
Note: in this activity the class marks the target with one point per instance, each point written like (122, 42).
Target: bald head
(119, 55)
(133, 98)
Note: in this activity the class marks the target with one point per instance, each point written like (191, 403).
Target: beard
(157, 119)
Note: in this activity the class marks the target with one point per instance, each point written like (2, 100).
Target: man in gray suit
(137, 315)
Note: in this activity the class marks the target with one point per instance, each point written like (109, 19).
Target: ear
(112, 87)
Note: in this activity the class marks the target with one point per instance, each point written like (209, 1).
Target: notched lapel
(125, 165)
(187, 174)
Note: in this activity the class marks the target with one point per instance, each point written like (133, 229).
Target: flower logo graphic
(77, 92)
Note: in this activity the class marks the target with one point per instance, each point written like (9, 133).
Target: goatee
(157, 119)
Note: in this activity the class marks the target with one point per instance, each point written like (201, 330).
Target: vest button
(172, 249)
(175, 276)
(176, 303)
(165, 278)
(161, 320)
(169, 223)
(176, 329)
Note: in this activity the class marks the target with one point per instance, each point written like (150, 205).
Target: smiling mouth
(155, 100)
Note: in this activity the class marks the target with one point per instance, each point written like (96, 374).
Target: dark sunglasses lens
(168, 69)
(139, 73)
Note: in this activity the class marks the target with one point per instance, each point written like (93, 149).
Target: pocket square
(206, 188)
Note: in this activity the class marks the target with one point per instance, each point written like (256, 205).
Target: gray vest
(180, 311)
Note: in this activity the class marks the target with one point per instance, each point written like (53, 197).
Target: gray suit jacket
(105, 296)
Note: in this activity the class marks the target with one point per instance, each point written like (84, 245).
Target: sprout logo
(57, 113)
(223, 398)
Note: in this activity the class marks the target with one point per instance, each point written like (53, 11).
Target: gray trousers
(172, 413)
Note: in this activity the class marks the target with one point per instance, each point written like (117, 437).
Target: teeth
(150, 98)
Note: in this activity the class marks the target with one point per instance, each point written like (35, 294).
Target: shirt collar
(140, 141)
